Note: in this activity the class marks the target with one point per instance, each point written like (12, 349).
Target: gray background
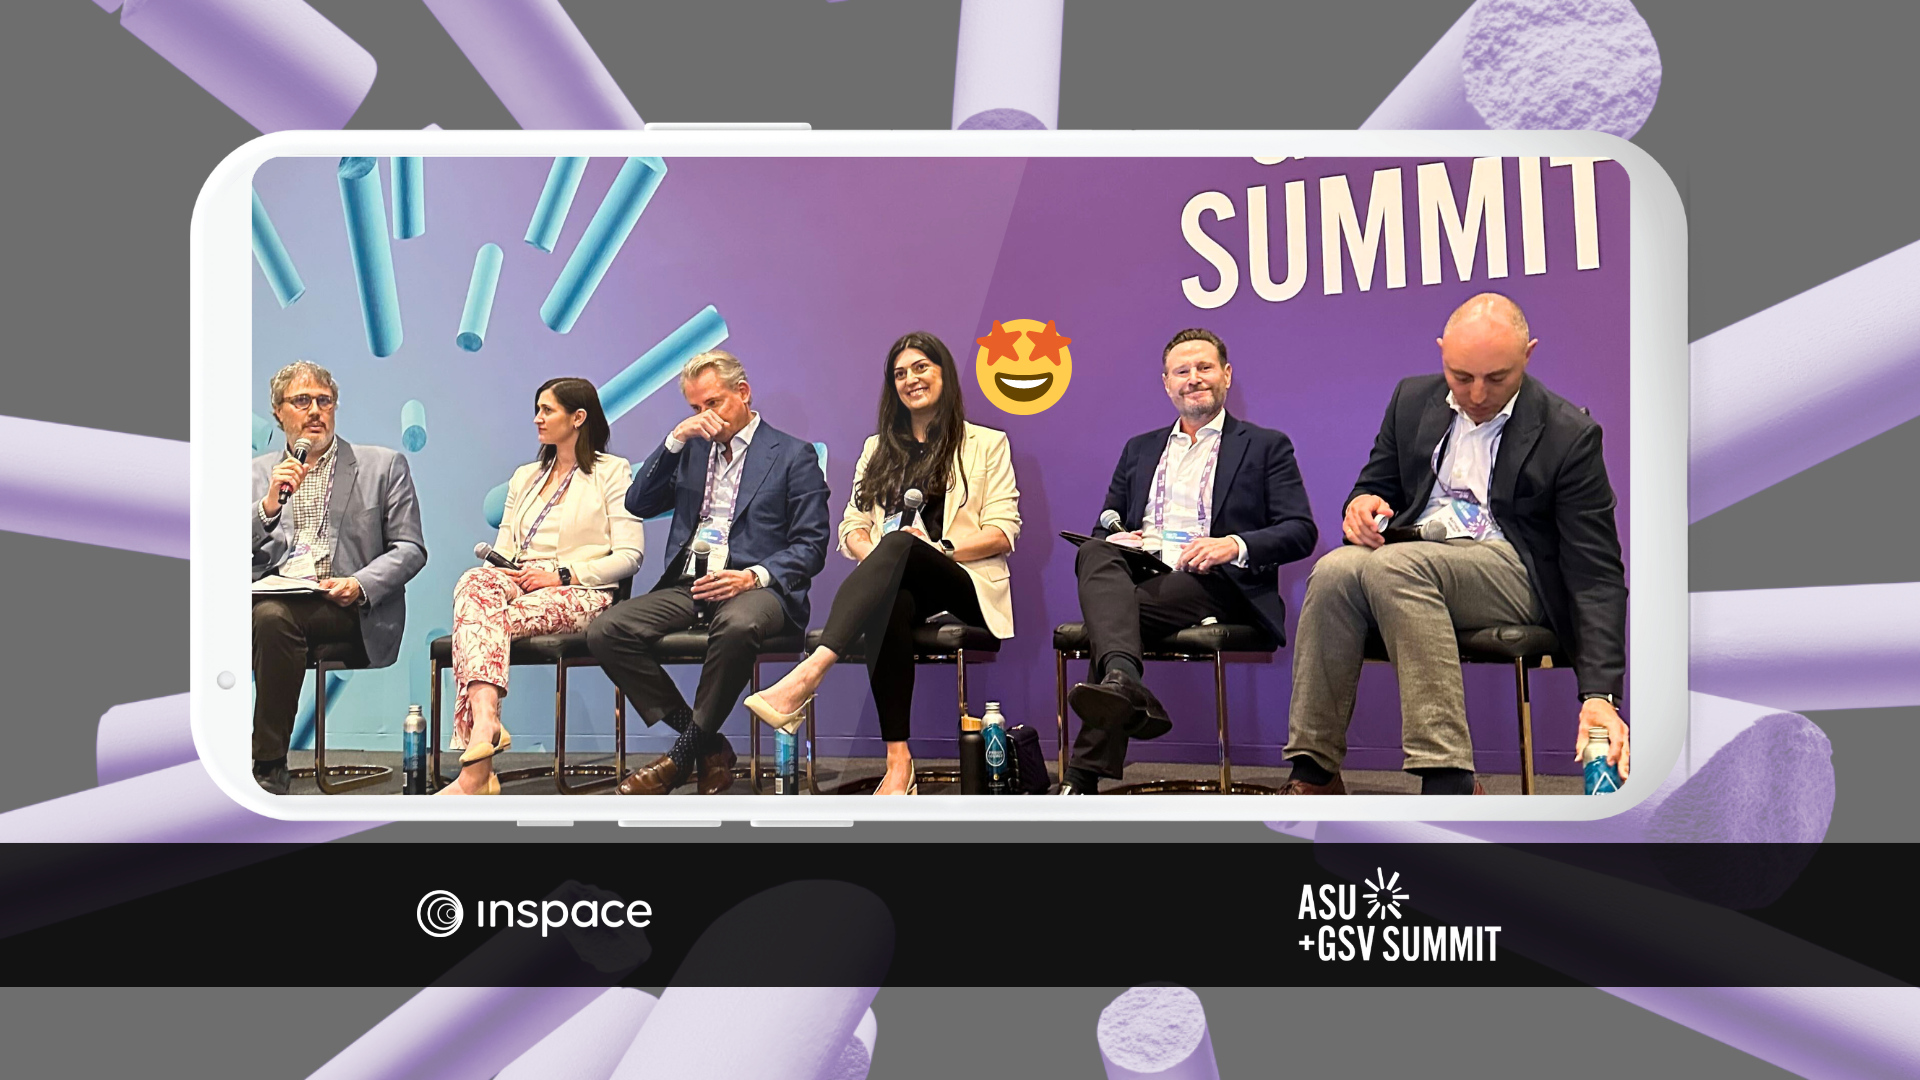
(1789, 129)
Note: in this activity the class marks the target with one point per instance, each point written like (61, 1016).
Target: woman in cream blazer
(934, 513)
(567, 527)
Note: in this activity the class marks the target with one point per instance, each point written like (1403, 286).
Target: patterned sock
(686, 748)
(679, 720)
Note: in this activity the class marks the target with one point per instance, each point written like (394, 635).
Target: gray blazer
(375, 518)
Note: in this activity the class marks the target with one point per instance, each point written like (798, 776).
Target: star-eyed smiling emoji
(1023, 366)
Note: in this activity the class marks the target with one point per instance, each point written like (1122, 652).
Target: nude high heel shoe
(786, 722)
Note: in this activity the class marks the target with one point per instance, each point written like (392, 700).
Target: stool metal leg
(1220, 715)
(1060, 692)
(753, 738)
(603, 775)
(960, 665)
(1526, 726)
(619, 731)
(357, 776)
(434, 780)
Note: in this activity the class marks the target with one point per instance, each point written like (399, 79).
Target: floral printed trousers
(489, 612)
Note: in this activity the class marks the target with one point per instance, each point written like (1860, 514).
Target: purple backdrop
(818, 264)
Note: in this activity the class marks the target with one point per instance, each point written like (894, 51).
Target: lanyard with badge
(1466, 517)
(715, 531)
(1173, 540)
(526, 537)
(303, 560)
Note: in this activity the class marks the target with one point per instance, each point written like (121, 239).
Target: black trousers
(624, 636)
(1120, 609)
(901, 583)
(284, 627)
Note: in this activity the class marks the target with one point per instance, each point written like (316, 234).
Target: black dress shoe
(1119, 702)
(275, 781)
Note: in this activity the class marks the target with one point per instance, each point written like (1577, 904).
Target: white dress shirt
(1186, 459)
(726, 483)
(1462, 482)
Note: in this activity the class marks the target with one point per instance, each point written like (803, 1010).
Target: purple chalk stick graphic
(1532, 65)
(94, 487)
(1006, 72)
(1819, 1032)
(588, 1046)
(856, 1060)
(171, 806)
(278, 63)
(1156, 1033)
(142, 736)
(457, 1032)
(537, 62)
(1756, 418)
(1828, 647)
(798, 1032)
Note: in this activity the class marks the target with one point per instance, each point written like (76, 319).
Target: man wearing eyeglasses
(1510, 477)
(336, 538)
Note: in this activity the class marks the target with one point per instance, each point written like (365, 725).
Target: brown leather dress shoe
(1301, 787)
(657, 777)
(716, 770)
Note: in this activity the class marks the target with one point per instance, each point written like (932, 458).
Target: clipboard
(1140, 562)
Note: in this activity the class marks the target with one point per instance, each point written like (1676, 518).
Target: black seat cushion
(1193, 641)
(1491, 645)
(348, 654)
(684, 647)
(929, 639)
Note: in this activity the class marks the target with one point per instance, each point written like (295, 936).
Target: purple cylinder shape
(457, 1032)
(537, 62)
(1819, 1032)
(409, 197)
(94, 487)
(588, 1046)
(856, 1059)
(1537, 65)
(142, 736)
(1829, 647)
(1006, 72)
(1156, 1033)
(278, 63)
(177, 805)
(1757, 419)
(797, 1033)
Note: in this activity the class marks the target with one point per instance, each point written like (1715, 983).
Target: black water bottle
(973, 757)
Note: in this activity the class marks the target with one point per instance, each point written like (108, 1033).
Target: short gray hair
(277, 388)
(722, 363)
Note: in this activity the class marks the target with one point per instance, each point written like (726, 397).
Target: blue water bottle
(993, 728)
(413, 751)
(1601, 777)
(786, 763)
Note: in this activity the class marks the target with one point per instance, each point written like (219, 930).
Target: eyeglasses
(303, 402)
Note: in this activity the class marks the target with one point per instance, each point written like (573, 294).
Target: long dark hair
(573, 395)
(894, 467)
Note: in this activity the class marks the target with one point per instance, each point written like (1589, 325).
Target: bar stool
(948, 642)
(1210, 643)
(690, 647)
(324, 659)
(1524, 648)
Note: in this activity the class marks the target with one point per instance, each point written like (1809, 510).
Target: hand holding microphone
(288, 475)
(910, 519)
(1116, 530)
(486, 553)
(1366, 515)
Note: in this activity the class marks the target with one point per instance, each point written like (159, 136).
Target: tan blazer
(984, 475)
(600, 543)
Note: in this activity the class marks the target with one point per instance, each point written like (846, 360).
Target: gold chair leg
(357, 776)
(813, 785)
(434, 780)
(619, 731)
(1526, 726)
(1060, 693)
(753, 738)
(1220, 716)
(603, 775)
(960, 665)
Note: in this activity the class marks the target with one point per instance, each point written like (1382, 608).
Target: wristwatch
(946, 545)
(566, 576)
(1608, 698)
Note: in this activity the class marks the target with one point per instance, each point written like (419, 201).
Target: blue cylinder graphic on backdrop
(662, 363)
(495, 506)
(606, 233)
(556, 198)
(409, 198)
(265, 434)
(372, 256)
(479, 307)
(413, 426)
(272, 256)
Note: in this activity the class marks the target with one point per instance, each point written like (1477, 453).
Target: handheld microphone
(914, 499)
(486, 553)
(301, 448)
(701, 552)
(1111, 522)
(1432, 530)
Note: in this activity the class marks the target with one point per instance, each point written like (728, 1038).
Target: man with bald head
(1513, 474)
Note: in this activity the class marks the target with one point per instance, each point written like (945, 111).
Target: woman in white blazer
(934, 512)
(567, 527)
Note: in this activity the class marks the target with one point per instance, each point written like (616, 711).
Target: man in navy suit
(756, 498)
(1220, 501)
(1513, 476)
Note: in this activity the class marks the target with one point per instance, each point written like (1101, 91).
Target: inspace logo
(439, 913)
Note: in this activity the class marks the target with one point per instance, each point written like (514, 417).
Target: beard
(1200, 413)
